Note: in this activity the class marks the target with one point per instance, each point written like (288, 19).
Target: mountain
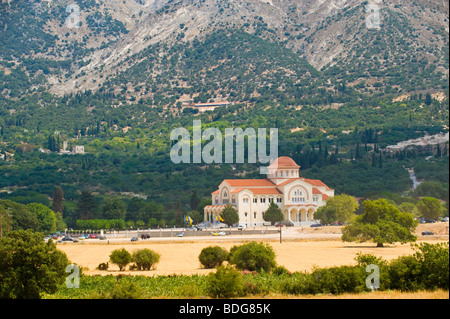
(340, 79)
(407, 53)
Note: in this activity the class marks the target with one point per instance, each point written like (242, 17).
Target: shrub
(368, 259)
(226, 282)
(126, 290)
(404, 273)
(434, 264)
(29, 266)
(103, 266)
(253, 256)
(300, 284)
(213, 256)
(428, 268)
(145, 259)
(337, 280)
(120, 257)
(280, 271)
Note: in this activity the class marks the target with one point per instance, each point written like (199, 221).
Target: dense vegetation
(405, 273)
(334, 122)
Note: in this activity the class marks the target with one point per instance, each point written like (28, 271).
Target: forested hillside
(118, 77)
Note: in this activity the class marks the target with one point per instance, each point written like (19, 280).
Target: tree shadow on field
(373, 246)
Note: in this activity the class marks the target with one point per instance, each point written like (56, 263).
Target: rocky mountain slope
(99, 39)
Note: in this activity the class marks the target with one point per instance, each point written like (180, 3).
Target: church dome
(283, 162)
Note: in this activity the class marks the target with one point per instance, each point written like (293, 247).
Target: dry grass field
(180, 256)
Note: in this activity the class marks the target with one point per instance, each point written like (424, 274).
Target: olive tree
(381, 223)
(29, 266)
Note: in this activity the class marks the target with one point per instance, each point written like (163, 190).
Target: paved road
(291, 233)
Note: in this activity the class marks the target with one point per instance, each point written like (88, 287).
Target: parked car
(67, 239)
(102, 237)
(444, 219)
(426, 220)
(316, 225)
(286, 223)
(427, 233)
(134, 239)
(242, 227)
(180, 234)
(92, 236)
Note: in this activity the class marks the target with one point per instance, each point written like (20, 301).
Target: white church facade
(298, 197)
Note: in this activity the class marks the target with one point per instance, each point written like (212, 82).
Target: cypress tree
(58, 197)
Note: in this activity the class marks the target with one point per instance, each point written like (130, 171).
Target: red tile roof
(266, 191)
(249, 182)
(284, 162)
(289, 181)
(317, 182)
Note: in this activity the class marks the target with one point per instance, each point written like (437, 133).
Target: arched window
(298, 197)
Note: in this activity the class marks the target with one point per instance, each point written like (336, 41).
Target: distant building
(298, 197)
(78, 149)
(202, 107)
(212, 104)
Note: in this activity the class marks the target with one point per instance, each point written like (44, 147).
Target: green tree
(344, 207)
(58, 198)
(326, 215)
(46, 218)
(409, 208)
(212, 256)
(21, 216)
(434, 264)
(145, 259)
(431, 189)
(86, 205)
(428, 99)
(381, 223)
(253, 256)
(226, 282)
(195, 201)
(230, 215)
(29, 266)
(120, 257)
(429, 207)
(114, 208)
(179, 215)
(273, 214)
(60, 224)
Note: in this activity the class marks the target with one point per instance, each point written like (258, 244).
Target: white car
(242, 227)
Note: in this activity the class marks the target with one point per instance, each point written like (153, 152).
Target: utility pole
(281, 227)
